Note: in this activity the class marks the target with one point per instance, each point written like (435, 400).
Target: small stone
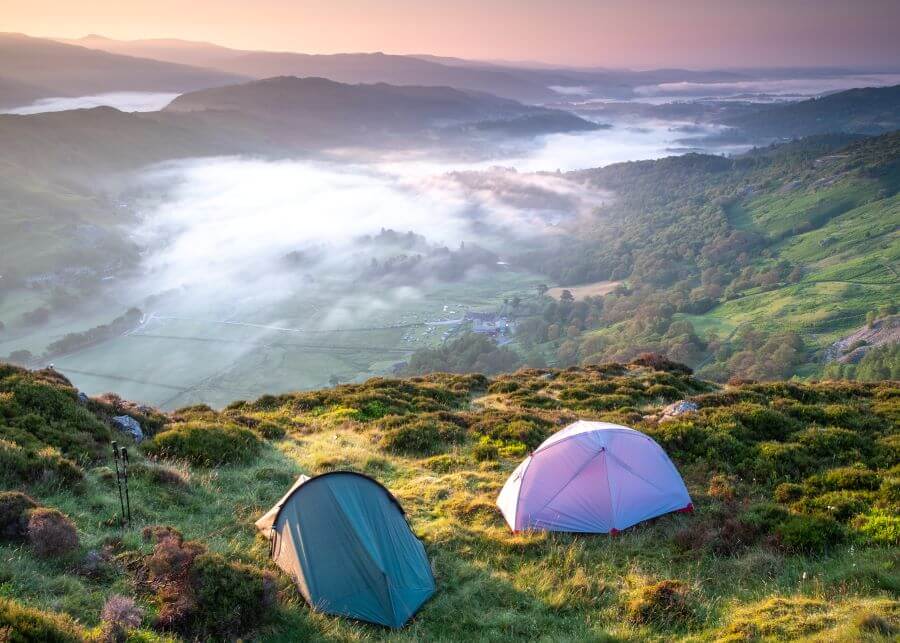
(680, 407)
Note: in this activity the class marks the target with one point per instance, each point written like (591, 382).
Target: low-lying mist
(124, 101)
(257, 275)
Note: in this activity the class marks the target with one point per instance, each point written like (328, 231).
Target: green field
(186, 356)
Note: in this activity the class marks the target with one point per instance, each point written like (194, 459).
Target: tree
(566, 296)
(542, 289)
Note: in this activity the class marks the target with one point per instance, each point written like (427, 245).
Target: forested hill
(787, 247)
(868, 110)
(794, 531)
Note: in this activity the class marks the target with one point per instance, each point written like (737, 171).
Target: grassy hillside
(795, 533)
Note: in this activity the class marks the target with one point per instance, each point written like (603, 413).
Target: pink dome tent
(592, 477)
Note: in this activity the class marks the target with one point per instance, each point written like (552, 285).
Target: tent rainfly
(344, 540)
(592, 477)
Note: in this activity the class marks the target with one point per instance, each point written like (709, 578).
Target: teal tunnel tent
(344, 540)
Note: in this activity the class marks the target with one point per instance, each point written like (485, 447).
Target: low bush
(831, 444)
(759, 422)
(879, 527)
(856, 478)
(231, 597)
(205, 445)
(840, 505)
(29, 464)
(159, 474)
(809, 534)
(660, 363)
(51, 533)
(788, 492)
(525, 429)
(14, 509)
(20, 624)
(444, 463)
(119, 615)
(887, 450)
(665, 603)
(664, 392)
(781, 460)
(607, 402)
(423, 435)
(889, 494)
(503, 386)
(202, 595)
(722, 487)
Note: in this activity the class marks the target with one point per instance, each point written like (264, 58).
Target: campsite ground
(740, 569)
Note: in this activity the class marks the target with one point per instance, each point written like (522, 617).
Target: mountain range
(32, 68)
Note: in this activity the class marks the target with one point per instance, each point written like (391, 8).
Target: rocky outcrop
(127, 424)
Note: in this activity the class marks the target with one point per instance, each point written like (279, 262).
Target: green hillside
(794, 536)
(789, 248)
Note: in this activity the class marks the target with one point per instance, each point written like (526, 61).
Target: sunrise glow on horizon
(609, 33)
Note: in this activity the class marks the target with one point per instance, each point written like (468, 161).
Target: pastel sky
(613, 33)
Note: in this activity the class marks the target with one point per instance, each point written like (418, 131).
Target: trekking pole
(115, 448)
(125, 478)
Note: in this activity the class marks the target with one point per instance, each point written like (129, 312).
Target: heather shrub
(855, 478)
(727, 398)
(840, 505)
(231, 597)
(20, 624)
(692, 537)
(722, 487)
(51, 533)
(788, 492)
(665, 603)
(29, 464)
(765, 517)
(831, 444)
(159, 474)
(879, 527)
(444, 463)
(887, 450)
(659, 363)
(205, 445)
(734, 535)
(14, 509)
(503, 386)
(889, 493)
(762, 423)
(524, 429)
(422, 435)
(119, 615)
(664, 392)
(809, 534)
(779, 460)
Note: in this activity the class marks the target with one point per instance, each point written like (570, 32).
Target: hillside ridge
(794, 487)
